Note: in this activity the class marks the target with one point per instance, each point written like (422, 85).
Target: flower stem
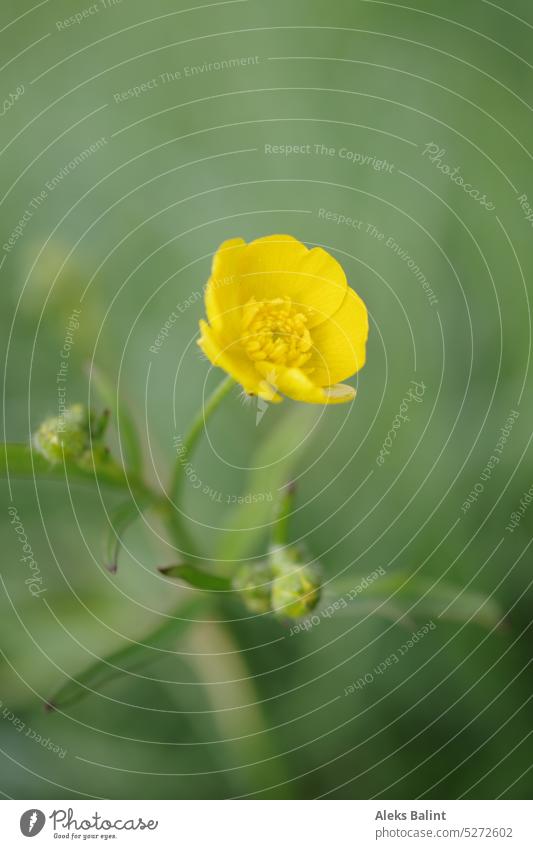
(189, 443)
(280, 532)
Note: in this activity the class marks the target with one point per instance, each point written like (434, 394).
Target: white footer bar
(267, 824)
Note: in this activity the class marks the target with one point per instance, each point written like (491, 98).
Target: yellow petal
(339, 344)
(297, 385)
(224, 260)
(233, 360)
(222, 299)
(281, 266)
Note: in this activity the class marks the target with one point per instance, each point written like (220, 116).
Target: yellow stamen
(276, 331)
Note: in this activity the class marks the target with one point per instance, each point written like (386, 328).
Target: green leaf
(127, 660)
(119, 520)
(197, 578)
(18, 460)
(125, 423)
(414, 597)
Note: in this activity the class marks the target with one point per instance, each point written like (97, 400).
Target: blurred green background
(236, 705)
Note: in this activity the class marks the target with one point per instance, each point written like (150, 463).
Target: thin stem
(194, 434)
(280, 531)
(189, 443)
(20, 460)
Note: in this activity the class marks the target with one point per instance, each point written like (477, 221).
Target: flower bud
(296, 584)
(70, 434)
(254, 581)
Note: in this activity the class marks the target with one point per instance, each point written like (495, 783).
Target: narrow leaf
(197, 578)
(284, 508)
(124, 661)
(419, 597)
(18, 460)
(119, 521)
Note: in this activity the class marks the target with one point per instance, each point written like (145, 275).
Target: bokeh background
(236, 704)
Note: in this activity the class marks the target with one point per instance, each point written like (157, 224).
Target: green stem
(189, 443)
(280, 532)
(19, 460)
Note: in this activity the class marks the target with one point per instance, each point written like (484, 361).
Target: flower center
(276, 331)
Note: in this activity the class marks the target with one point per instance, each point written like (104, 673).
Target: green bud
(70, 434)
(296, 585)
(253, 582)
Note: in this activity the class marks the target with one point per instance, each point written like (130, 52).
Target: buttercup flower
(282, 320)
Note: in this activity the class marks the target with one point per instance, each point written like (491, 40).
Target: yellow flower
(282, 319)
